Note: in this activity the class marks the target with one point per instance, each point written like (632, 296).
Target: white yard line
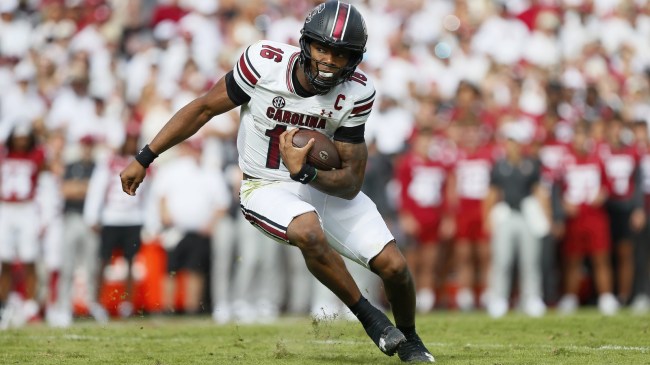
(641, 349)
(625, 348)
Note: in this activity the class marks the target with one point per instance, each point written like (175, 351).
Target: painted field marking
(641, 349)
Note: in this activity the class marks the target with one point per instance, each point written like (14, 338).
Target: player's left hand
(293, 157)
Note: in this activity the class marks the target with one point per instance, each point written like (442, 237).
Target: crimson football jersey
(19, 174)
(582, 178)
(422, 184)
(472, 171)
(551, 154)
(620, 166)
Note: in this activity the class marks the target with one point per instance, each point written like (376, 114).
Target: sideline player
(22, 160)
(423, 178)
(281, 87)
(585, 189)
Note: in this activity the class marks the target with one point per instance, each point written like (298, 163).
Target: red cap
(87, 140)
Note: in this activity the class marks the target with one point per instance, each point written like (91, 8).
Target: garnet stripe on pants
(271, 228)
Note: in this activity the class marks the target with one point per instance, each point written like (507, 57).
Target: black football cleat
(378, 327)
(390, 340)
(413, 350)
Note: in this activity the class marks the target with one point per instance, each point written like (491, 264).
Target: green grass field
(453, 338)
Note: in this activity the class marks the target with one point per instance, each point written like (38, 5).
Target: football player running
(281, 88)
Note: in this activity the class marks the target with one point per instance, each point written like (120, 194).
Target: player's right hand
(293, 157)
(132, 176)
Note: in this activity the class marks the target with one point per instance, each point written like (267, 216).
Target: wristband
(306, 174)
(146, 156)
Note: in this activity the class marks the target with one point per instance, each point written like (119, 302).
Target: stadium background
(435, 63)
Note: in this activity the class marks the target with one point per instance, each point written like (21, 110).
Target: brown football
(323, 155)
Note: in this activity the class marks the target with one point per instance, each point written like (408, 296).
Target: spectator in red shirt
(584, 192)
(423, 177)
(21, 163)
(472, 176)
(625, 203)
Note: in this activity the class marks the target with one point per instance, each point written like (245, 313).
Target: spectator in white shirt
(173, 55)
(139, 69)
(425, 24)
(118, 217)
(573, 35)
(615, 29)
(15, 33)
(73, 109)
(189, 200)
(472, 66)
(285, 29)
(21, 102)
(501, 38)
(390, 126)
(202, 26)
(397, 72)
(542, 47)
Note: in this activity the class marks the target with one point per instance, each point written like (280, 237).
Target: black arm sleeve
(235, 93)
(351, 134)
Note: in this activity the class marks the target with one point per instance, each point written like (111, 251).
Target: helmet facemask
(324, 85)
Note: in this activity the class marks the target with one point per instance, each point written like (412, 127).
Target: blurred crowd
(509, 153)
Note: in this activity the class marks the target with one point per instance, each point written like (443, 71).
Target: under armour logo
(329, 114)
(302, 179)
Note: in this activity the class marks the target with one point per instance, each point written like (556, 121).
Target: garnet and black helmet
(338, 25)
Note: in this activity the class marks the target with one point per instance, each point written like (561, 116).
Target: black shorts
(619, 223)
(126, 238)
(192, 253)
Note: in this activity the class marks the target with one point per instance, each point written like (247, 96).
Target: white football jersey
(264, 72)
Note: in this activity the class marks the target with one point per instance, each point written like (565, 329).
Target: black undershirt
(236, 94)
(300, 90)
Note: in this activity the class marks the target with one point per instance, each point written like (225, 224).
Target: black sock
(408, 331)
(372, 319)
(358, 305)
(363, 310)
